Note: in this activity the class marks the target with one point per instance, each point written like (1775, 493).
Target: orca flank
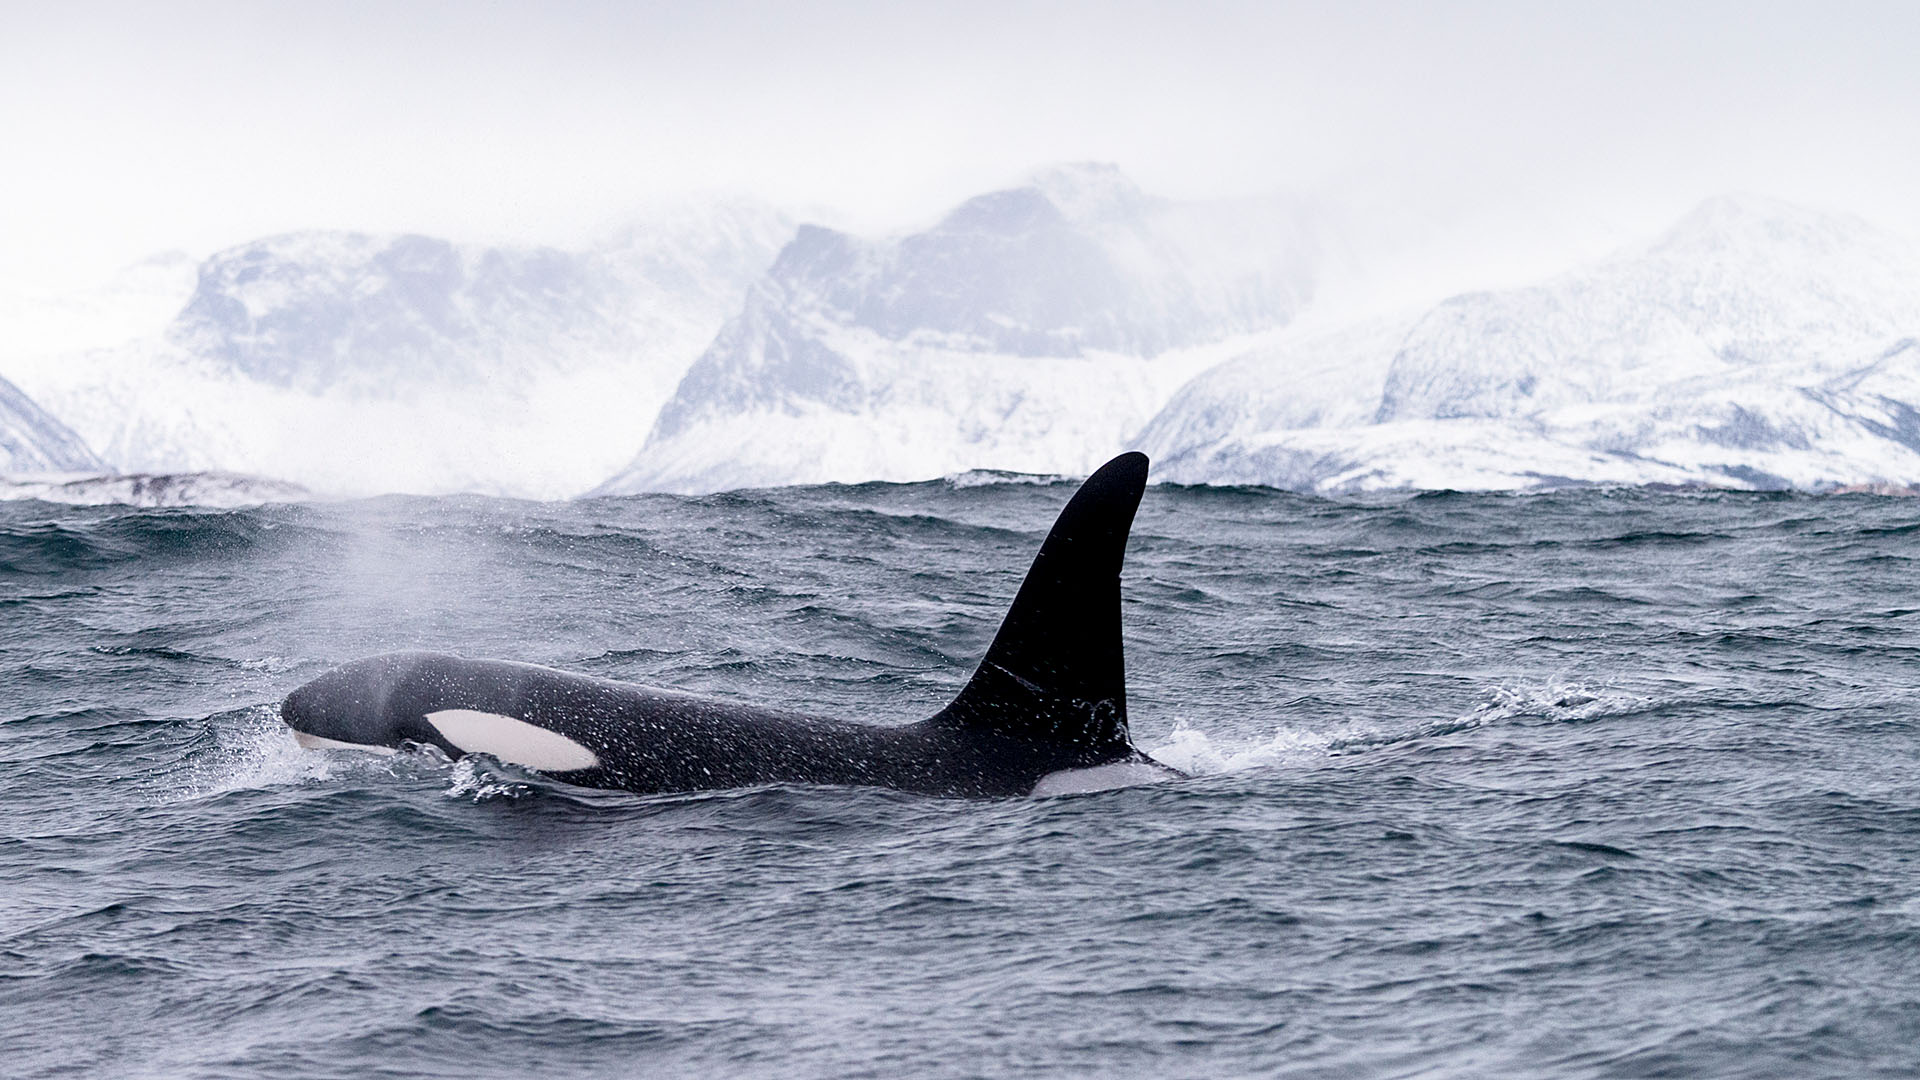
(1045, 712)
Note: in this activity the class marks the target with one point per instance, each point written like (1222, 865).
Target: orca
(1045, 713)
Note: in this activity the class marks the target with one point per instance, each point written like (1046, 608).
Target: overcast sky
(139, 127)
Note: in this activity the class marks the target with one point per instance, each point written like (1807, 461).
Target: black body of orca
(1045, 712)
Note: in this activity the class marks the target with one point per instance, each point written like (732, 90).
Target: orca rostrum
(1045, 712)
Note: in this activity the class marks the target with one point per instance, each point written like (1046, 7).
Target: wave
(31, 544)
(974, 478)
(1201, 753)
(243, 750)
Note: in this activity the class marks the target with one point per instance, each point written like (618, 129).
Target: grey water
(1586, 784)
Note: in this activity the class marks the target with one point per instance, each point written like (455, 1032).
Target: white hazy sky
(139, 127)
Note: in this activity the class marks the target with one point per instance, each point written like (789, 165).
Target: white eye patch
(511, 740)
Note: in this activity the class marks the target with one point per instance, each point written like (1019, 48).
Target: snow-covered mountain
(355, 363)
(1755, 344)
(380, 315)
(31, 441)
(1029, 329)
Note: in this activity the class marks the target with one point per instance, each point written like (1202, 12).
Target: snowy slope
(31, 441)
(1031, 329)
(352, 363)
(1755, 344)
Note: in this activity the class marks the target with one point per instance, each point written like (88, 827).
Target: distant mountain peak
(1077, 194)
(1091, 191)
(815, 252)
(1749, 222)
(1013, 212)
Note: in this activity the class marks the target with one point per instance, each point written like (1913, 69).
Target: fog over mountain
(1038, 328)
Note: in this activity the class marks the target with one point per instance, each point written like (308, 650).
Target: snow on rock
(32, 441)
(1757, 344)
(356, 364)
(141, 489)
(1324, 379)
(1031, 330)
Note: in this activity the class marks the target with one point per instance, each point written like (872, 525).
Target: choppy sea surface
(1590, 784)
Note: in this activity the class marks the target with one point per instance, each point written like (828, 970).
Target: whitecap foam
(1552, 700)
(974, 478)
(1201, 753)
(251, 749)
(475, 778)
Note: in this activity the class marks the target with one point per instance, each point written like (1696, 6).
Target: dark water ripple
(1593, 784)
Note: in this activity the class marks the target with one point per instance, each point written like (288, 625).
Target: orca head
(386, 702)
(379, 703)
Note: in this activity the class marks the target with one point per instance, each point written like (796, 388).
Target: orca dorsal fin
(1055, 672)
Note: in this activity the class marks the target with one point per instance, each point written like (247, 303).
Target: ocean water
(1589, 784)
